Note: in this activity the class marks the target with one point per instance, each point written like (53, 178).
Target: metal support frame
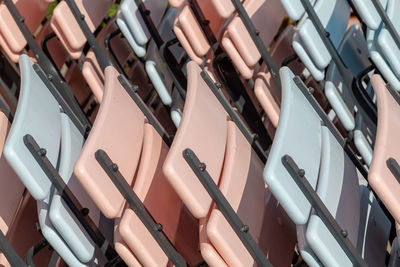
(388, 23)
(364, 103)
(67, 99)
(394, 168)
(173, 67)
(233, 85)
(138, 207)
(251, 138)
(107, 44)
(132, 91)
(254, 33)
(90, 227)
(11, 255)
(329, 221)
(34, 250)
(241, 229)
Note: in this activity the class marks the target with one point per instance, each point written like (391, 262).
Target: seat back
(368, 12)
(334, 16)
(11, 188)
(38, 114)
(202, 115)
(386, 146)
(67, 28)
(121, 141)
(297, 121)
(237, 41)
(134, 26)
(11, 38)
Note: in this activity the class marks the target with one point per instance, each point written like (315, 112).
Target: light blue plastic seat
(131, 23)
(38, 114)
(354, 52)
(301, 135)
(334, 16)
(384, 52)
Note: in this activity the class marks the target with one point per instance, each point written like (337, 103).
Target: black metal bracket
(394, 168)
(107, 44)
(34, 250)
(132, 91)
(39, 154)
(328, 123)
(12, 257)
(69, 103)
(251, 138)
(138, 207)
(254, 33)
(241, 229)
(173, 67)
(329, 221)
(389, 25)
(364, 104)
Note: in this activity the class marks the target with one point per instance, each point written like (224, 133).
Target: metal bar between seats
(251, 138)
(266, 56)
(65, 96)
(388, 23)
(364, 104)
(39, 154)
(329, 221)
(230, 215)
(138, 207)
(9, 252)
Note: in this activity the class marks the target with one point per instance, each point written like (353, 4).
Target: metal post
(138, 207)
(329, 221)
(39, 155)
(9, 252)
(241, 229)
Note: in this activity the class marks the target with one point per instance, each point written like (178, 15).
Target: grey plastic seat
(383, 50)
(38, 114)
(354, 52)
(314, 149)
(334, 16)
(131, 23)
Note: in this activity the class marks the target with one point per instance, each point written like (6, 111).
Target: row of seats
(312, 114)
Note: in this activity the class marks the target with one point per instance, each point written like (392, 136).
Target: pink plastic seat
(139, 152)
(11, 39)
(387, 146)
(11, 188)
(237, 170)
(67, 28)
(237, 41)
(187, 29)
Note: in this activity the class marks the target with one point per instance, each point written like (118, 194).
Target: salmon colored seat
(234, 166)
(386, 146)
(238, 43)
(334, 177)
(67, 28)
(11, 38)
(139, 152)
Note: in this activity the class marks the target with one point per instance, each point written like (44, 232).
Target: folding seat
(383, 50)
(382, 179)
(237, 170)
(38, 114)
(334, 16)
(237, 41)
(11, 188)
(121, 130)
(354, 52)
(11, 38)
(303, 136)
